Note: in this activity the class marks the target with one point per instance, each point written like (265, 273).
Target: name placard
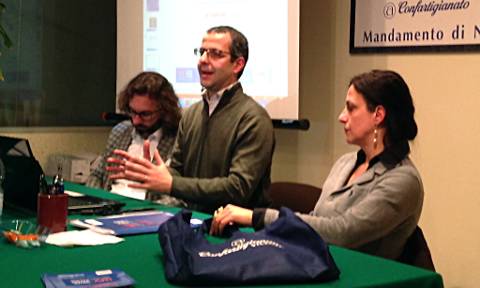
(414, 25)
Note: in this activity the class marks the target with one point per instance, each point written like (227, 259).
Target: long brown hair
(159, 89)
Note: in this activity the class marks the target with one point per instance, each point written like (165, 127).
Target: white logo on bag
(240, 245)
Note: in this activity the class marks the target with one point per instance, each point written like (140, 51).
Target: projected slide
(173, 28)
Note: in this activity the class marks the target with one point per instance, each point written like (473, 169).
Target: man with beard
(151, 103)
(224, 147)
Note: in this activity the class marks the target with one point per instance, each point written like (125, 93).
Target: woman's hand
(150, 176)
(228, 216)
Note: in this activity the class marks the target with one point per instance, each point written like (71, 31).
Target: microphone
(114, 117)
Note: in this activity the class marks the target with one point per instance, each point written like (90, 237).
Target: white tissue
(81, 238)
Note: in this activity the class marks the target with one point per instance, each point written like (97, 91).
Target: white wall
(47, 141)
(446, 95)
(306, 156)
(129, 52)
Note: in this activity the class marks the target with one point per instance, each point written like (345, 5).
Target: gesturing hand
(149, 176)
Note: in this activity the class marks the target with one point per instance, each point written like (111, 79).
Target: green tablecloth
(140, 256)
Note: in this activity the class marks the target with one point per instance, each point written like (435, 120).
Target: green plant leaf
(6, 40)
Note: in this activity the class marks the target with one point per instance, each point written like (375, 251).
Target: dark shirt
(390, 156)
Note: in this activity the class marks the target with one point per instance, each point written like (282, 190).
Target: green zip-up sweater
(226, 157)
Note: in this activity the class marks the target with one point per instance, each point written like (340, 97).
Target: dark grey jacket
(375, 214)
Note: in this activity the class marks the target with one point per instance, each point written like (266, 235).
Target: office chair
(296, 196)
(416, 251)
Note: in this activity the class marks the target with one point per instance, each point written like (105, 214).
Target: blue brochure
(92, 279)
(132, 223)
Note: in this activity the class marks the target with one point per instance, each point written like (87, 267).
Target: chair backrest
(296, 196)
(416, 251)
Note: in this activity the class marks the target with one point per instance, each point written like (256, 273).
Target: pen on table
(109, 212)
(132, 210)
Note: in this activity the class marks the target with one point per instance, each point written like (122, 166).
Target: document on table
(120, 187)
(129, 223)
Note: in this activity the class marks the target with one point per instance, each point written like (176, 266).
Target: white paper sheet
(86, 237)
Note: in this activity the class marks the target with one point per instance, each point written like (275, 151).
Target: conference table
(141, 257)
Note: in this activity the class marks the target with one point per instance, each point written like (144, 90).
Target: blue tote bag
(286, 251)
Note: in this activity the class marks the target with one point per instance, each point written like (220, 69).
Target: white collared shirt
(214, 99)
(136, 147)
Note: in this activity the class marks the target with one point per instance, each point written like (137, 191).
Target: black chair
(296, 196)
(416, 251)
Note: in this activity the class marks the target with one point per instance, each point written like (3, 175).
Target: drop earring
(375, 134)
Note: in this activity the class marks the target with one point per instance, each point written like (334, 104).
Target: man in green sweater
(224, 146)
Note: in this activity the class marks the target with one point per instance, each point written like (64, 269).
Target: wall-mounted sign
(414, 25)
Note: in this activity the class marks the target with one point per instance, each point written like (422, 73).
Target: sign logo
(240, 245)
(389, 10)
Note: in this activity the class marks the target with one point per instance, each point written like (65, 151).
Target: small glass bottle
(57, 185)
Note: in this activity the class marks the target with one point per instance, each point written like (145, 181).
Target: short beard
(147, 131)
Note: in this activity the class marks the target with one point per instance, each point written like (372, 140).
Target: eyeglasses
(211, 52)
(144, 115)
